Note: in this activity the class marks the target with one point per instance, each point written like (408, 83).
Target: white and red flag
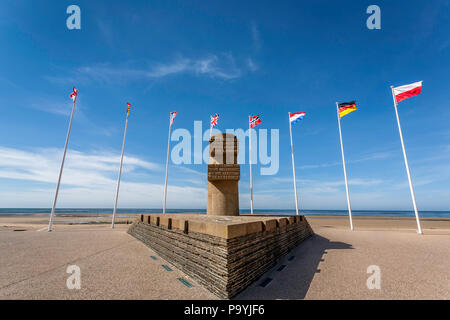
(74, 94)
(173, 114)
(214, 120)
(254, 121)
(407, 91)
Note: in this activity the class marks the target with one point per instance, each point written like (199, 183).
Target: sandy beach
(330, 265)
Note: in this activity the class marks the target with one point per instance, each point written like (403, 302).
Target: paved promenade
(331, 265)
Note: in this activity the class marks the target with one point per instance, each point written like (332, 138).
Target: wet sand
(330, 265)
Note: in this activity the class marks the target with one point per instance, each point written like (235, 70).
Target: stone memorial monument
(223, 176)
(223, 254)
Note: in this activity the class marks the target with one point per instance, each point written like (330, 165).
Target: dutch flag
(296, 117)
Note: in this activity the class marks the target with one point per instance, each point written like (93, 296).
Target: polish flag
(407, 91)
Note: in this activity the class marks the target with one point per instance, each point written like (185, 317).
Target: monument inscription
(223, 176)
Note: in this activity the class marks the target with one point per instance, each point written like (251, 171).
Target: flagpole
(250, 164)
(120, 172)
(345, 170)
(167, 166)
(293, 166)
(413, 196)
(50, 223)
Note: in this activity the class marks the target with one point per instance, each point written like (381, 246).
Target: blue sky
(233, 58)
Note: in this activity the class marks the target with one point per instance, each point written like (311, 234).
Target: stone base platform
(224, 254)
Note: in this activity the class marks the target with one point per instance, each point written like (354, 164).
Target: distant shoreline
(124, 215)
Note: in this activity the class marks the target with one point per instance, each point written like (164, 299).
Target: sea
(123, 212)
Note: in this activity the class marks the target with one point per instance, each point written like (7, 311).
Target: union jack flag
(254, 121)
(214, 120)
(173, 114)
(74, 94)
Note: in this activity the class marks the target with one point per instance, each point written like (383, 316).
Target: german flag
(346, 108)
(128, 107)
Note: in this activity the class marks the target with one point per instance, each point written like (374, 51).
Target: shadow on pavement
(293, 280)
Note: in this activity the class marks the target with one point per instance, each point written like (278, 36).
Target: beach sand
(330, 265)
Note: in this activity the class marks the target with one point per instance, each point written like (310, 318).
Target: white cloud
(132, 195)
(215, 67)
(28, 179)
(81, 169)
(256, 38)
(251, 65)
(221, 66)
(89, 180)
(60, 108)
(106, 31)
(373, 156)
(359, 182)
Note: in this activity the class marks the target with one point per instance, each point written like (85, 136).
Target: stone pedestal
(225, 255)
(223, 176)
